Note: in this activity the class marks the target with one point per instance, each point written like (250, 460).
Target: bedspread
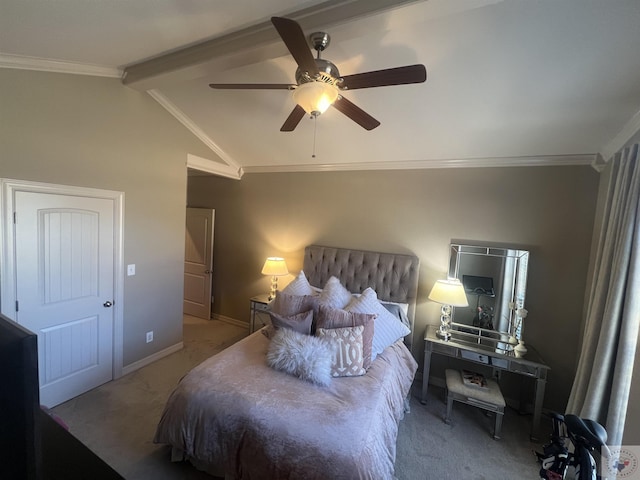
(234, 413)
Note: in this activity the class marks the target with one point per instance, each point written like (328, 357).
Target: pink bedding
(234, 416)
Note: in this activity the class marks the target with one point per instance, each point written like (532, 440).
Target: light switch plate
(131, 269)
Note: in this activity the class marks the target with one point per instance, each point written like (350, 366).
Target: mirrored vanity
(487, 332)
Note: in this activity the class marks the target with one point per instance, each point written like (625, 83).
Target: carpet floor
(117, 421)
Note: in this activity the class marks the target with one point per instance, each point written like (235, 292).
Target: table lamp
(274, 266)
(449, 293)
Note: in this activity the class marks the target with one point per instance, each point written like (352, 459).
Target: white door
(198, 255)
(64, 251)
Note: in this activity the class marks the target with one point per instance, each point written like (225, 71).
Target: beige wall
(547, 210)
(94, 132)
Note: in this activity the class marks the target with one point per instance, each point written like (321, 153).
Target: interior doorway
(198, 262)
(61, 266)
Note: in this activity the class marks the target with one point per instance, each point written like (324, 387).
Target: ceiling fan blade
(293, 119)
(252, 86)
(386, 77)
(355, 113)
(293, 37)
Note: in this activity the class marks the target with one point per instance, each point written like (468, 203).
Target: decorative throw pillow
(288, 304)
(398, 312)
(303, 356)
(388, 305)
(333, 318)
(334, 294)
(388, 330)
(348, 357)
(300, 322)
(299, 286)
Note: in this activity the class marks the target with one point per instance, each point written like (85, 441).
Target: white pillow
(403, 306)
(304, 356)
(334, 294)
(387, 329)
(299, 286)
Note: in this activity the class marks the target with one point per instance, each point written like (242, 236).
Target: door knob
(107, 304)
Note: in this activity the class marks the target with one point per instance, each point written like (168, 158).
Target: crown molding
(196, 130)
(528, 161)
(58, 66)
(205, 165)
(599, 163)
(631, 128)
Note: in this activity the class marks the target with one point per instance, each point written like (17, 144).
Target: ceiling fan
(318, 82)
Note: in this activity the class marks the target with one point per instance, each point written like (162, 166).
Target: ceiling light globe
(315, 97)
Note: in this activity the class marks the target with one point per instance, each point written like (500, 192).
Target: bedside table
(258, 306)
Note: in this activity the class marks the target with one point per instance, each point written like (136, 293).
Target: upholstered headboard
(393, 276)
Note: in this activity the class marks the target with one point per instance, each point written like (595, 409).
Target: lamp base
(274, 287)
(444, 332)
(443, 335)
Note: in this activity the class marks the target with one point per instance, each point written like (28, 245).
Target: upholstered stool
(489, 398)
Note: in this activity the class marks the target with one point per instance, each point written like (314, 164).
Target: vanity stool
(489, 398)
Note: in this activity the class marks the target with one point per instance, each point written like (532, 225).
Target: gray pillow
(300, 322)
(287, 304)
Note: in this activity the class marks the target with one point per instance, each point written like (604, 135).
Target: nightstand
(258, 306)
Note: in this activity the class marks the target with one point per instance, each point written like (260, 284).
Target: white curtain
(601, 388)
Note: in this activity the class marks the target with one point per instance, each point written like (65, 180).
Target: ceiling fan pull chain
(315, 127)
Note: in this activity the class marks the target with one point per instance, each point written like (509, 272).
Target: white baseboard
(232, 321)
(132, 367)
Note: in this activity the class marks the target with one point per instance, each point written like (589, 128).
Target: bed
(235, 417)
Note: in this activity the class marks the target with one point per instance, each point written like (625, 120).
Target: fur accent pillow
(334, 294)
(333, 318)
(299, 286)
(388, 329)
(348, 357)
(300, 322)
(304, 356)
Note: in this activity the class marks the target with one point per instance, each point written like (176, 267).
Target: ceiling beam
(240, 48)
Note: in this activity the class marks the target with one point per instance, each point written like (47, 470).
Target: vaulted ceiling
(509, 82)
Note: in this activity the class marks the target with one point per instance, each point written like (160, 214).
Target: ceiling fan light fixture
(315, 97)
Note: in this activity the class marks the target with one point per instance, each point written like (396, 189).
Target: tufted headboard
(394, 277)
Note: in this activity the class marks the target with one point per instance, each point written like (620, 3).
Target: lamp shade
(275, 266)
(449, 292)
(315, 97)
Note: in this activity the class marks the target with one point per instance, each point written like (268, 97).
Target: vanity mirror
(495, 281)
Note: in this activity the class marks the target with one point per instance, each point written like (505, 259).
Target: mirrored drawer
(258, 306)
(524, 369)
(444, 349)
(474, 357)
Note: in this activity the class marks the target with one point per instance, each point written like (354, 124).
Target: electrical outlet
(131, 269)
(150, 336)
